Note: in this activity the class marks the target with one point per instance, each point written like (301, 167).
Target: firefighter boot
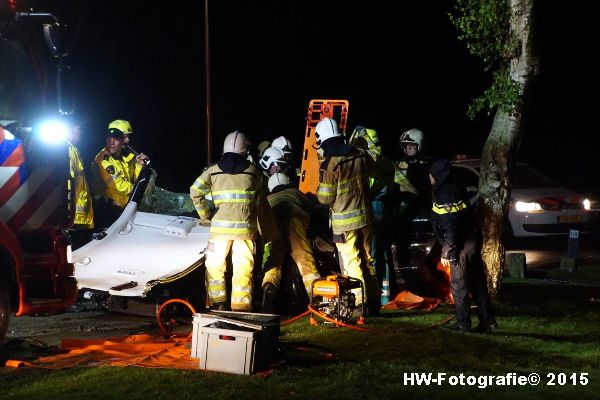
(269, 294)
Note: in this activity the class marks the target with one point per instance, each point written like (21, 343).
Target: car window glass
(464, 177)
(527, 177)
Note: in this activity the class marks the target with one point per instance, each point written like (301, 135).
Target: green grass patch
(544, 328)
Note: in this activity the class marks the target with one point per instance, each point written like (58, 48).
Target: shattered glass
(161, 201)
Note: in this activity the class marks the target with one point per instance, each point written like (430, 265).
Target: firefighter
(113, 178)
(414, 165)
(344, 185)
(381, 184)
(455, 229)
(292, 211)
(235, 185)
(273, 161)
(412, 199)
(81, 215)
(292, 171)
(283, 144)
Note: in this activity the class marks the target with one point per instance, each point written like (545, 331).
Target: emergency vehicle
(35, 274)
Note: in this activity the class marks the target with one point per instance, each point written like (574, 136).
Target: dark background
(400, 65)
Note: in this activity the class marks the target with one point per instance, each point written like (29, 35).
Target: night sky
(400, 67)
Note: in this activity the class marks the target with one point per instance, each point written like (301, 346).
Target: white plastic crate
(239, 343)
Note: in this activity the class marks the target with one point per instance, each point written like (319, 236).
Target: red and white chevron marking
(33, 204)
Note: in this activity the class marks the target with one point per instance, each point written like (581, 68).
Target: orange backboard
(317, 110)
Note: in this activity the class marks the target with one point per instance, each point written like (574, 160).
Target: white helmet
(283, 144)
(271, 156)
(278, 179)
(412, 136)
(236, 142)
(262, 146)
(326, 129)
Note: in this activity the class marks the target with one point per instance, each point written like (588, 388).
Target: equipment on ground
(235, 342)
(333, 297)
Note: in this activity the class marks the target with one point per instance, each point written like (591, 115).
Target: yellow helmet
(121, 125)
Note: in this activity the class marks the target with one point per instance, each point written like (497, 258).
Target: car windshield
(526, 177)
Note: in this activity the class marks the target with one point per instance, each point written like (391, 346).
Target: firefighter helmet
(283, 144)
(356, 133)
(271, 156)
(412, 136)
(236, 142)
(278, 179)
(121, 125)
(326, 129)
(262, 146)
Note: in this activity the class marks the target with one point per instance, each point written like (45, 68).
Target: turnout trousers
(242, 258)
(356, 261)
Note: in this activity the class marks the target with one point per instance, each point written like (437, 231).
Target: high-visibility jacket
(344, 185)
(113, 178)
(414, 171)
(81, 212)
(236, 197)
(292, 210)
(291, 203)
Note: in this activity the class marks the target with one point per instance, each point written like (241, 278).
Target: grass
(545, 327)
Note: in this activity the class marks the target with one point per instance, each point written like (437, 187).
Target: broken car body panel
(139, 251)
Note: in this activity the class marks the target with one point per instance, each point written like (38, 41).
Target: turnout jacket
(451, 217)
(291, 203)
(344, 186)
(114, 177)
(412, 174)
(80, 203)
(236, 188)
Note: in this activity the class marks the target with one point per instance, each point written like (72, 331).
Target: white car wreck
(140, 251)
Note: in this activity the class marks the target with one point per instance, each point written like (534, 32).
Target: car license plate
(569, 219)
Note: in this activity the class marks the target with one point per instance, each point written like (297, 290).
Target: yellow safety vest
(80, 203)
(401, 179)
(114, 178)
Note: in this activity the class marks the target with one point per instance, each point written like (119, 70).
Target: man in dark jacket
(455, 229)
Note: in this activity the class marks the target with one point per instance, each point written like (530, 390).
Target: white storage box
(180, 227)
(236, 342)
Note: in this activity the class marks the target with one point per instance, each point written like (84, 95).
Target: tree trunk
(501, 147)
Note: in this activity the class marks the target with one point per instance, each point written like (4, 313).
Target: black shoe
(458, 327)
(268, 302)
(488, 326)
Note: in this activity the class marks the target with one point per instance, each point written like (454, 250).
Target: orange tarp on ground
(136, 350)
(408, 301)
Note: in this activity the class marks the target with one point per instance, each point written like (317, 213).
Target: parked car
(538, 205)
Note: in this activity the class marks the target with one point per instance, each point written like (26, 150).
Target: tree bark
(500, 149)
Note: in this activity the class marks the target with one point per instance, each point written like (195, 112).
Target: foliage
(502, 95)
(484, 26)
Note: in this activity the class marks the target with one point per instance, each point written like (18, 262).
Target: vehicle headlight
(54, 132)
(528, 207)
(587, 204)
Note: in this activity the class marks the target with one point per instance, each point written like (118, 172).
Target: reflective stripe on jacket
(344, 185)
(236, 197)
(451, 218)
(80, 201)
(114, 178)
